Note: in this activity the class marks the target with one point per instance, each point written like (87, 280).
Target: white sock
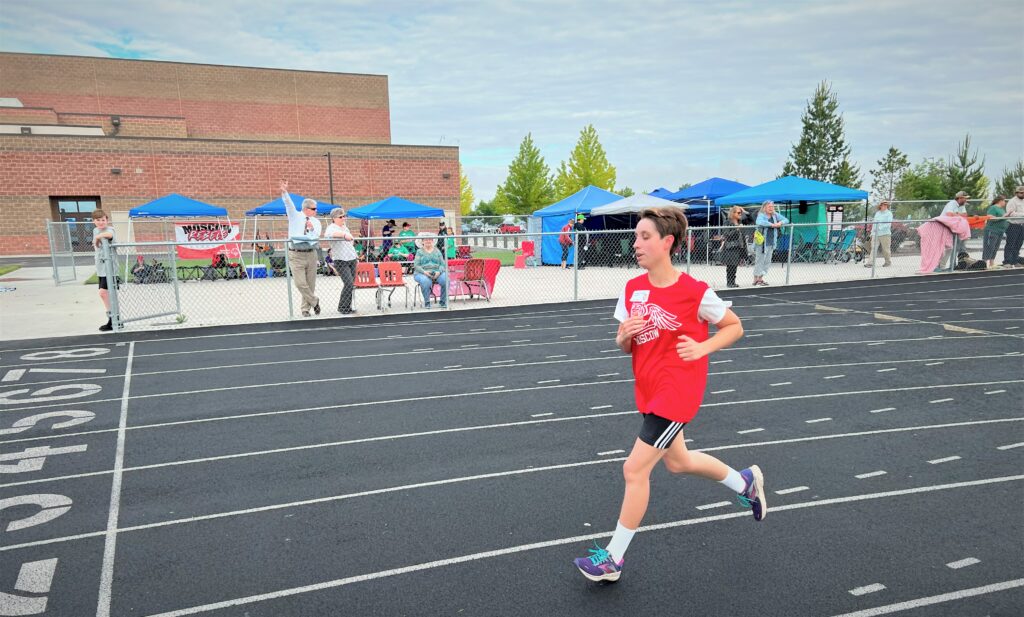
(735, 481)
(620, 542)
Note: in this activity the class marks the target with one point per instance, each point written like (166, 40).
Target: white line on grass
(944, 460)
(340, 582)
(930, 600)
(110, 544)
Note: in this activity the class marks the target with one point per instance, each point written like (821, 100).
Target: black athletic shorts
(659, 432)
(102, 280)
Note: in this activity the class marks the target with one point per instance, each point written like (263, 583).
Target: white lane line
(781, 383)
(470, 345)
(816, 420)
(885, 370)
(882, 410)
(478, 330)
(940, 400)
(1012, 328)
(611, 350)
(502, 361)
(610, 452)
(933, 316)
(752, 335)
(933, 363)
(876, 343)
(1010, 446)
(553, 357)
(519, 326)
(749, 430)
(525, 340)
(930, 600)
(559, 323)
(866, 589)
(833, 376)
(542, 415)
(943, 460)
(549, 381)
(717, 504)
(871, 474)
(967, 313)
(795, 489)
(454, 366)
(424, 349)
(723, 391)
(963, 563)
(774, 355)
(433, 333)
(568, 336)
(828, 349)
(793, 331)
(14, 374)
(511, 550)
(595, 407)
(720, 361)
(493, 387)
(110, 544)
(608, 375)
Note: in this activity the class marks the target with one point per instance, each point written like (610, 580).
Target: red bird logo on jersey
(655, 319)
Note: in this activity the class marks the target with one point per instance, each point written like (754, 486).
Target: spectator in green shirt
(995, 227)
(407, 232)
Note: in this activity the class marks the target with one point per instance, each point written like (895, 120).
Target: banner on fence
(203, 240)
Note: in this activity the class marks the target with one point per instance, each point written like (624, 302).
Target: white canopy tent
(634, 204)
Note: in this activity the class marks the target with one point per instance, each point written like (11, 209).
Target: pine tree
(465, 192)
(822, 152)
(528, 184)
(890, 171)
(965, 173)
(588, 165)
(1012, 178)
(625, 191)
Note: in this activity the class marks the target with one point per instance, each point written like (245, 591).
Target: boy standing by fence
(102, 231)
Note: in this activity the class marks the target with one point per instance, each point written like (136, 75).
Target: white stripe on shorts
(670, 431)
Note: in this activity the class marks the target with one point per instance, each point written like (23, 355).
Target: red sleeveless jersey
(666, 385)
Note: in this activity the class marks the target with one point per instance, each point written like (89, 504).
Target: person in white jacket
(304, 236)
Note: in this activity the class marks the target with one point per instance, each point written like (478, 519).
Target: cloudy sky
(678, 90)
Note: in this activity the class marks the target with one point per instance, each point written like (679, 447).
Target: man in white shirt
(954, 207)
(304, 236)
(1015, 230)
(881, 235)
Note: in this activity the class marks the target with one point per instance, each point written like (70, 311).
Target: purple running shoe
(753, 495)
(599, 566)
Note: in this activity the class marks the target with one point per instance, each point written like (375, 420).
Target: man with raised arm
(304, 236)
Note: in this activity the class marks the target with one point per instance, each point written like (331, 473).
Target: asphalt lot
(453, 464)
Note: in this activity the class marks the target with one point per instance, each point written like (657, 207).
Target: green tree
(684, 185)
(625, 191)
(486, 208)
(1012, 178)
(922, 183)
(527, 186)
(886, 177)
(822, 152)
(965, 173)
(465, 193)
(588, 165)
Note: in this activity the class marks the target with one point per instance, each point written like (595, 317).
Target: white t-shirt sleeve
(712, 308)
(620, 309)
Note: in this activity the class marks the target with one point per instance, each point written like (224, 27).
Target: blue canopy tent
(176, 206)
(555, 216)
(703, 195)
(395, 208)
(660, 192)
(276, 207)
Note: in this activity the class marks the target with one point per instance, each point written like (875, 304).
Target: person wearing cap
(1015, 229)
(304, 236)
(343, 253)
(430, 268)
(881, 235)
(565, 240)
(386, 233)
(584, 246)
(407, 232)
(954, 207)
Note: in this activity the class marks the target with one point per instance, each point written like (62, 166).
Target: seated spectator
(429, 268)
(398, 252)
(407, 232)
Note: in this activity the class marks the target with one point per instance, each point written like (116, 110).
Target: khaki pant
(303, 265)
(883, 242)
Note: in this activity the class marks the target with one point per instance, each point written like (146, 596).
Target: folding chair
(803, 250)
(391, 280)
(366, 278)
(473, 277)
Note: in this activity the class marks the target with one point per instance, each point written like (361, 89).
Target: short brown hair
(998, 199)
(668, 222)
(99, 214)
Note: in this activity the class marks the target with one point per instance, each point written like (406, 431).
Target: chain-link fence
(62, 252)
(258, 283)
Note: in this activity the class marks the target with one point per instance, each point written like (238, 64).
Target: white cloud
(678, 91)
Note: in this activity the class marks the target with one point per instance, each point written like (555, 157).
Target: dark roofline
(200, 139)
(231, 66)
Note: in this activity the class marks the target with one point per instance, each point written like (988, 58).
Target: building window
(77, 213)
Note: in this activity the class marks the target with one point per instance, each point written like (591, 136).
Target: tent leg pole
(789, 256)
(575, 266)
(288, 279)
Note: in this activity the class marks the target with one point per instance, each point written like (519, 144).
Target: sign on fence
(203, 240)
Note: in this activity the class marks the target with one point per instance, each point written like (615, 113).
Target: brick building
(79, 133)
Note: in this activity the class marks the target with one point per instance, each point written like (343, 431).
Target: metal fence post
(871, 250)
(789, 255)
(575, 266)
(174, 278)
(112, 291)
(689, 244)
(53, 253)
(288, 278)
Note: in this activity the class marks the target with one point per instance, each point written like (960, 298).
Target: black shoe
(732, 285)
(316, 309)
(107, 327)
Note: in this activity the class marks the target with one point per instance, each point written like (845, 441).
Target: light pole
(330, 176)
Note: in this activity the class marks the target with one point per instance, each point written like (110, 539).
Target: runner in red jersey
(664, 316)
